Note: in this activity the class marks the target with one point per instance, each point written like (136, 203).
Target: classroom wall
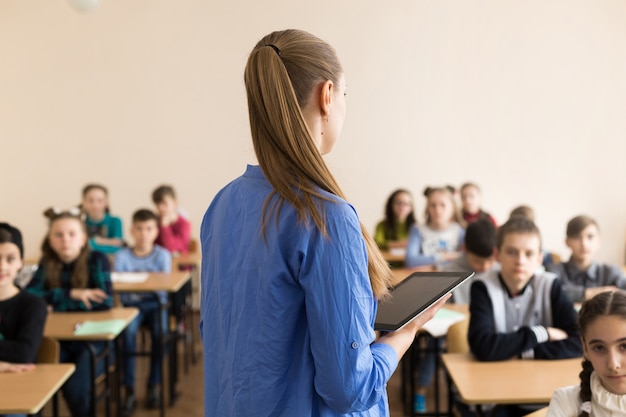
(525, 98)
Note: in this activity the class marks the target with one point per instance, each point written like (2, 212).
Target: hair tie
(274, 47)
(586, 407)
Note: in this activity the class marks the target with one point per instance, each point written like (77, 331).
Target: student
(71, 277)
(478, 247)
(174, 229)
(290, 277)
(145, 256)
(518, 312)
(471, 200)
(527, 212)
(22, 315)
(393, 231)
(103, 229)
(441, 238)
(602, 388)
(581, 277)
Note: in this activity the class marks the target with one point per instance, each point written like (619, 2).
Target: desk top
(515, 381)
(188, 259)
(400, 274)
(28, 392)
(169, 282)
(61, 325)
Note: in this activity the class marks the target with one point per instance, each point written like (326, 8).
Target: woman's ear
(326, 97)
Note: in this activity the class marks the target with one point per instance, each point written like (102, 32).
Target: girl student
(104, 230)
(602, 389)
(393, 231)
(288, 307)
(437, 242)
(440, 239)
(71, 277)
(22, 315)
(471, 201)
(581, 276)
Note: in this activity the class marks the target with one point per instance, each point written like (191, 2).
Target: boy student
(582, 277)
(144, 256)
(478, 246)
(174, 229)
(518, 311)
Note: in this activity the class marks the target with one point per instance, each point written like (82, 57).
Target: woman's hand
(16, 367)
(402, 339)
(87, 295)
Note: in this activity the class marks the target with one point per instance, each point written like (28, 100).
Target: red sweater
(176, 236)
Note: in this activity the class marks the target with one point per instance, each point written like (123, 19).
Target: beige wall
(525, 98)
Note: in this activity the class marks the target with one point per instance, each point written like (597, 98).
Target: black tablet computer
(414, 295)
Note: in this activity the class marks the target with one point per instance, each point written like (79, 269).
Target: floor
(190, 386)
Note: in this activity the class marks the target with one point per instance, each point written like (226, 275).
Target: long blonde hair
(282, 72)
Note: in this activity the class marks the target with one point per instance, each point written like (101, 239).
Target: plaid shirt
(59, 298)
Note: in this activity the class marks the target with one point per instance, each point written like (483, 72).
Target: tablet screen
(414, 295)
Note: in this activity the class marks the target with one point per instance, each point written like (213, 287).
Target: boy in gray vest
(521, 311)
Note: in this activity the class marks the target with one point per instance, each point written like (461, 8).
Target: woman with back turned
(290, 278)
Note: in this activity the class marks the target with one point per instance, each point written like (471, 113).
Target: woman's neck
(8, 291)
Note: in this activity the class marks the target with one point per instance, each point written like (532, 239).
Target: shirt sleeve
(176, 236)
(574, 291)
(379, 235)
(58, 298)
(414, 256)
(564, 317)
(564, 403)
(350, 373)
(616, 276)
(100, 277)
(24, 348)
(485, 342)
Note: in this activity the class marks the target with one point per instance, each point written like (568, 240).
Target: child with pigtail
(602, 389)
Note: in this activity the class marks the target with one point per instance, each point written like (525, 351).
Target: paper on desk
(438, 325)
(129, 277)
(91, 327)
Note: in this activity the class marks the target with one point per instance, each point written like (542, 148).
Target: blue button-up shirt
(287, 319)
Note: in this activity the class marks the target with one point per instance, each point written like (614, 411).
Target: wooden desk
(192, 259)
(170, 283)
(60, 325)
(515, 381)
(395, 256)
(400, 274)
(28, 392)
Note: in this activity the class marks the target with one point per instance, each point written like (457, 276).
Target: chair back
(457, 337)
(49, 351)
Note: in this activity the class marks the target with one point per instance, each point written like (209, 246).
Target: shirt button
(355, 345)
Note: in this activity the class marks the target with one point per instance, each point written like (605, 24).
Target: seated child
(174, 229)
(22, 315)
(145, 256)
(441, 238)
(478, 248)
(518, 312)
(581, 277)
(602, 389)
(393, 231)
(471, 205)
(71, 277)
(103, 229)
(527, 212)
